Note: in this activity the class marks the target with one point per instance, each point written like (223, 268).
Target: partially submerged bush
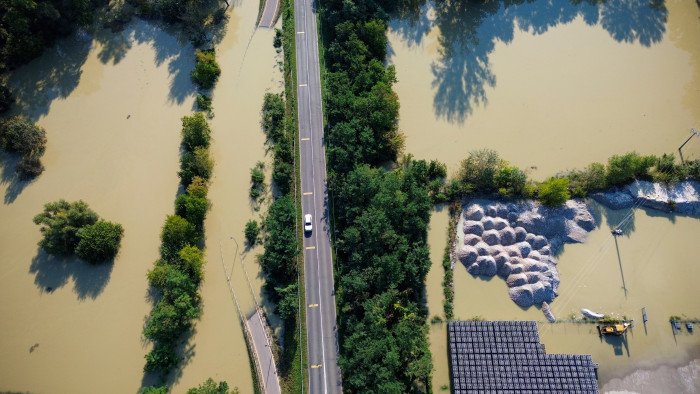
(18, 135)
(195, 164)
(195, 132)
(99, 242)
(60, 223)
(206, 72)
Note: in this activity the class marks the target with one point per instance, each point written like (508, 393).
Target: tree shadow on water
(54, 75)
(469, 33)
(52, 273)
(9, 178)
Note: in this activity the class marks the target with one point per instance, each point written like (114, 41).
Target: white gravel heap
(517, 242)
(685, 195)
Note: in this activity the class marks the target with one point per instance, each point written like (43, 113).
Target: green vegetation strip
(381, 215)
(178, 273)
(484, 172)
(447, 282)
(282, 261)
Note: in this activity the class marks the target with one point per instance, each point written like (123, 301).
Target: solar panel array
(507, 357)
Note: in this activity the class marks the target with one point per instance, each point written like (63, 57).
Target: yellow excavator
(613, 329)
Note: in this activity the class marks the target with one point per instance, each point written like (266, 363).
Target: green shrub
(210, 387)
(251, 232)
(480, 169)
(159, 273)
(60, 223)
(162, 358)
(203, 102)
(99, 242)
(195, 164)
(29, 167)
(554, 191)
(176, 234)
(192, 208)
(192, 263)
(195, 132)
(623, 169)
(206, 72)
(277, 40)
(198, 187)
(511, 180)
(18, 135)
(288, 305)
(154, 390)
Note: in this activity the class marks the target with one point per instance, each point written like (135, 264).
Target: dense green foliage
(280, 140)
(29, 26)
(203, 102)
(192, 208)
(60, 223)
(252, 231)
(484, 172)
(75, 228)
(554, 191)
(257, 180)
(154, 390)
(180, 270)
(279, 259)
(99, 242)
(18, 135)
(206, 71)
(382, 216)
(624, 169)
(211, 387)
(195, 164)
(195, 132)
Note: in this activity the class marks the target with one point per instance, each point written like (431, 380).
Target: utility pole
(694, 133)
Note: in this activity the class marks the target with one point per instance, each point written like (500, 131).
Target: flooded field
(555, 87)
(550, 86)
(111, 105)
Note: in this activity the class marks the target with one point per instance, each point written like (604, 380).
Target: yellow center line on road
(313, 305)
(310, 247)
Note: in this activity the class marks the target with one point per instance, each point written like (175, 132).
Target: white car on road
(307, 223)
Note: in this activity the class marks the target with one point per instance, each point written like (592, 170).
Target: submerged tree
(99, 242)
(60, 223)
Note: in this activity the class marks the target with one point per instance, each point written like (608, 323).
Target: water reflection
(470, 31)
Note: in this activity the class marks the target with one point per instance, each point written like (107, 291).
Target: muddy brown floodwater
(111, 104)
(554, 87)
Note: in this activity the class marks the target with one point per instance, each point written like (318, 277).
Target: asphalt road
(268, 14)
(321, 328)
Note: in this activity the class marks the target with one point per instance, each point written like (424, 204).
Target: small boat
(644, 314)
(689, 326)
(591, 314)
(676, 325)
(613, 329)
